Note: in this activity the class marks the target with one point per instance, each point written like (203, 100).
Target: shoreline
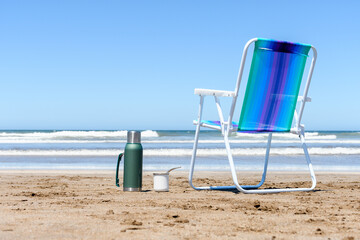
(186, 171)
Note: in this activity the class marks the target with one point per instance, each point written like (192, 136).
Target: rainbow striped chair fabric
(269, 104)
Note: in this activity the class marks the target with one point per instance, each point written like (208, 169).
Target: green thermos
(133, 161)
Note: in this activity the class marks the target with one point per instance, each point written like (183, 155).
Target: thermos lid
(133, 137)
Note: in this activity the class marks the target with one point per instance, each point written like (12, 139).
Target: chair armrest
(301, 98)
(210, 92)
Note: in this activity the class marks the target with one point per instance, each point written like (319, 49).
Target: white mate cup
(161, 181)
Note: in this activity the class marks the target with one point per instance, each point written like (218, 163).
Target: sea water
(329, 151)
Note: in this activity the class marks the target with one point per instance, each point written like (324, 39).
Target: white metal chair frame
(226, 128)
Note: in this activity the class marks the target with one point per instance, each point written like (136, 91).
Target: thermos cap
(133, 137)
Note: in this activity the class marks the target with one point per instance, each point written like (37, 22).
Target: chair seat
(217, 123)
(235, 127)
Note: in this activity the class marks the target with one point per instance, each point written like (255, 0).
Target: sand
(87, 205)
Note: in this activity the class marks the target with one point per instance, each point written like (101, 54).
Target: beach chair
(271, 104)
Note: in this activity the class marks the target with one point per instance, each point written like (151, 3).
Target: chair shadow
(235, 191)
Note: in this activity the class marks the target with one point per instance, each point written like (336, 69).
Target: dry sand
(87, 205)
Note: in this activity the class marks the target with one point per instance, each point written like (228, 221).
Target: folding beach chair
(270, 104)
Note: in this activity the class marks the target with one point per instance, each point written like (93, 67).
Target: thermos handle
(117, 169)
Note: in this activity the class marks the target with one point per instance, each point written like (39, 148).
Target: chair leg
(312, 174)
(228, 147)
(265, 166)
(192, 164)
(193, 157)
(307, 156)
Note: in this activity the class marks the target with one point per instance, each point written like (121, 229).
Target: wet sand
(88, 205)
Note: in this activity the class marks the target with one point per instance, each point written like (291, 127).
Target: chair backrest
(273, 86)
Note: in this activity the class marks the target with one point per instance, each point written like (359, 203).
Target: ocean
(98, 150)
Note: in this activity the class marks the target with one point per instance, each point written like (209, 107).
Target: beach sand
(87, 205)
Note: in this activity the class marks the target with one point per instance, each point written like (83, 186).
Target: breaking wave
(69, 135)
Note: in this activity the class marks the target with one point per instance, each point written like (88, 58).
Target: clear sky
(134, 64)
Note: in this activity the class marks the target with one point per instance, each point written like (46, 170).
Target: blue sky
(135, 64)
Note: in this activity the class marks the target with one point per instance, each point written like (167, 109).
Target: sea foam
(183, 152)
